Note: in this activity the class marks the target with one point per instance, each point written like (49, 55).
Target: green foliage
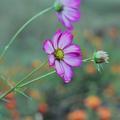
(99, 28)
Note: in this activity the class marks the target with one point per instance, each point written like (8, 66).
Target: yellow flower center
(59, 54)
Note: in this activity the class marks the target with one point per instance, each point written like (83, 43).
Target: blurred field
(91, 95)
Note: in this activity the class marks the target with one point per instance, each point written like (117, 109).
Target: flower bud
(101, 57)
(58, 7)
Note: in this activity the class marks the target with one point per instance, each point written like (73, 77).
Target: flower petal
(51, 60)
(56, 38)
(72, 49)
(65, 40)
(73, 59)
(48, 47)
(64, 20)
(68, 73)
(71, 3)
(59, 68)
(72, 14)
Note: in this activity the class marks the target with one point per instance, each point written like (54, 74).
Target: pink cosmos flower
(63, 54)
(67, 11)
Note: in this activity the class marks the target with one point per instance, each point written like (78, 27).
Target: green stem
(36, 79)
(88, 59)
(32, 72)
(6, 93)
(27, 76)
(21, 29)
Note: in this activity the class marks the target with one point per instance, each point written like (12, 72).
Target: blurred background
(91, 95)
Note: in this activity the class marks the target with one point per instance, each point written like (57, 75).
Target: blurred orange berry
(10, 96)
(11, 105)
(93, 102)
(42, 108)
(104, 113)
(15, 115)
(77, 115)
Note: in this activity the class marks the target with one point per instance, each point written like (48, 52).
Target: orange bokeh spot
(104, 113)
(77, 115)
(93, 102)
(43, 107)
(11, 105)
(10, 96)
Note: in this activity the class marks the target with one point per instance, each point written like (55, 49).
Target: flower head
(67, 11)
(101, 57)
(63, 54)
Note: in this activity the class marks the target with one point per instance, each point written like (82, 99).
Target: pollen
(59, 54)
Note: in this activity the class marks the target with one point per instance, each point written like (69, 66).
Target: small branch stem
(36, 79)
(21, 81)
(21, 29)
(88, 59)
(32, 72)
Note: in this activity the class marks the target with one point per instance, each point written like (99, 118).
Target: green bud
(58, 7)
(100, 57)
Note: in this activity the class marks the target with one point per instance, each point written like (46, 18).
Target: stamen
(59, 54)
